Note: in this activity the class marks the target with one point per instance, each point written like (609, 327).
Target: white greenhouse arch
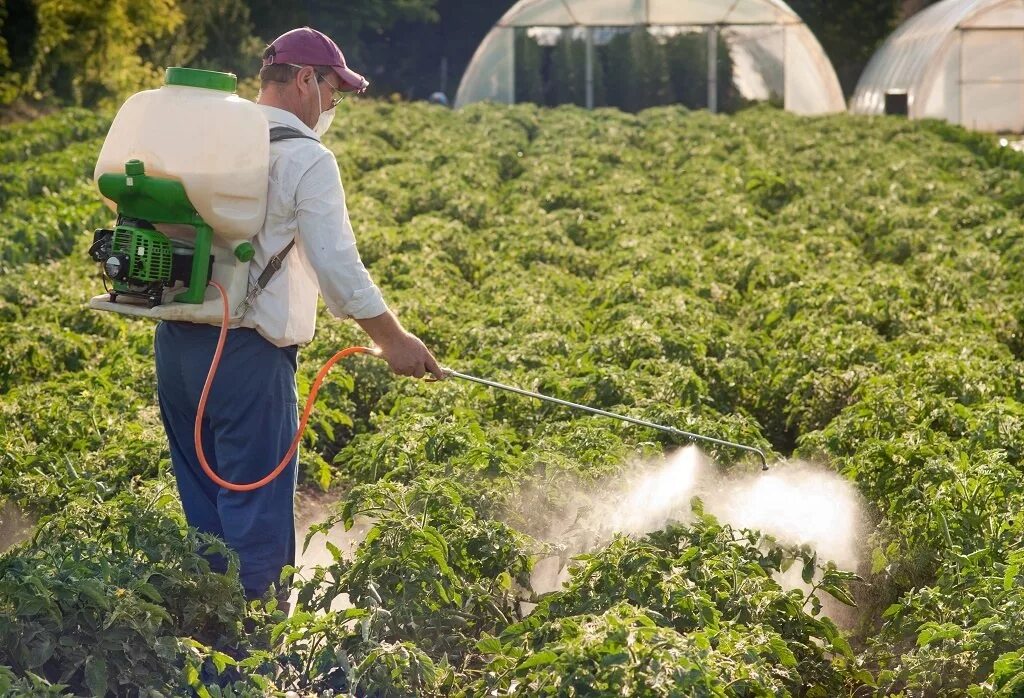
(802, 74)
(958, 60)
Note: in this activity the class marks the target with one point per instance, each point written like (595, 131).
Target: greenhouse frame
(759, 50)
(958, 60)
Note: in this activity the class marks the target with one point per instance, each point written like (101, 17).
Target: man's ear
(305, 75)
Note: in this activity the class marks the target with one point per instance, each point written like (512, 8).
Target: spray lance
(604, 413)
(450, 373)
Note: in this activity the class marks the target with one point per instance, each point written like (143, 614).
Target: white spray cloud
(795, 502)
(648, 501)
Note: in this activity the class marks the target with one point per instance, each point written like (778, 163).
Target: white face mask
(324, 122)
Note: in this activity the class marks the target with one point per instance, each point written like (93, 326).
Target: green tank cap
(207, 79)
(134, 168)
(245, 251)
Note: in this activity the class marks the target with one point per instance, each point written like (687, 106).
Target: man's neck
(273, 98)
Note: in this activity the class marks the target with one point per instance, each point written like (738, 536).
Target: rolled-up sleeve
(326, 236)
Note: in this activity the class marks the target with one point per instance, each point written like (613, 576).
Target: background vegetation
(843, 289)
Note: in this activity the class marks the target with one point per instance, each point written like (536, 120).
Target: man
(251, 415)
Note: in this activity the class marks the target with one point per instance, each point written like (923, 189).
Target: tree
(567, 76)
(89, 52)
(8, 79)
(213, 36)
(635, 71)
(529, 65)
(417, 58)
(354, 25)
(687, 55)
(345, 22)
(615, 65)
(651, 86)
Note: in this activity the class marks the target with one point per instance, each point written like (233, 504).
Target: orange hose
(197, 435)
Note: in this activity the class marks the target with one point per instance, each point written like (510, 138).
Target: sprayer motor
(140, 261)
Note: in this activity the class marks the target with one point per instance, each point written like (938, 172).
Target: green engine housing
(150, 255)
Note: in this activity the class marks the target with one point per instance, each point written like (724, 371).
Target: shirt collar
(286, 118)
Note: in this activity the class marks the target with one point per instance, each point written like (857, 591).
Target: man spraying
(305, 249)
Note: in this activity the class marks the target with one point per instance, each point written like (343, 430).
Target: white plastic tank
(195, 129)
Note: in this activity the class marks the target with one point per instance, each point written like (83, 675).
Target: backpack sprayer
(183, 231)
(185, 168)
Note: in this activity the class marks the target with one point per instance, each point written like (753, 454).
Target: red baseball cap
(306, 46)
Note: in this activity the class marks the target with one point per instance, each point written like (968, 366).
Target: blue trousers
(251, 417)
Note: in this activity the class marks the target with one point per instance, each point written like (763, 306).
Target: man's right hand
(405, 353)
(410, 357)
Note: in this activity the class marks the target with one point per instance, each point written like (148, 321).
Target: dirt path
(313, 507)
(15, 525)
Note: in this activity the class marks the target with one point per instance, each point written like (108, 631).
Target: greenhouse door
(992, 79)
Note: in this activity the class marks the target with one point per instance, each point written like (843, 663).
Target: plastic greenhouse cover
(490, 73)
(537, 12)
(774, 54)
(631, 12)
(921, 56)
(1008, 14)
(758, 55)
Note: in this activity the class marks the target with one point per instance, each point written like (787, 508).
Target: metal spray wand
(604, 413)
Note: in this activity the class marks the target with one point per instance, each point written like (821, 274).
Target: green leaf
(335, 551)
(537, 659)
(807, 573)
(489, 645)
(1010, 576)
(892, 610)
(96, 675)
(192, 674)
(930, 633)
(94, 591)
(221, 660)
(439, 588)
(878, 561)
(689, 554)
(839, 593)
(150, 592)
(782, 651)
(841, 646)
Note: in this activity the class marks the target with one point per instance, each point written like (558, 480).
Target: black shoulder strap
(284, 133)
(281, 133)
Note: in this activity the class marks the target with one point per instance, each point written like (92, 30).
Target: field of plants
(843, 290)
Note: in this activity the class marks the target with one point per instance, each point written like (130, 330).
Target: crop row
(21, 142)
(47, 199)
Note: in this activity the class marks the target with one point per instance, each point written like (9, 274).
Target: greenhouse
(633, 54)
(959, 60)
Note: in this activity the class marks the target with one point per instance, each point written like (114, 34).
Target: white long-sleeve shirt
(306, 202)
